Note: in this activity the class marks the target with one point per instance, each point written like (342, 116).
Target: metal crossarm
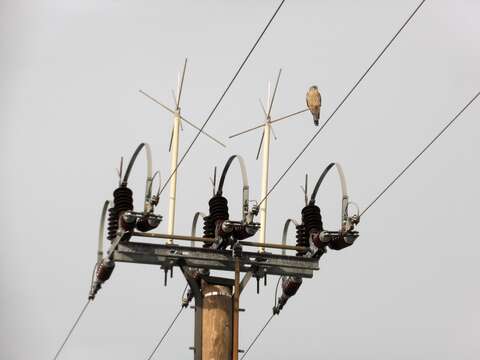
(175, 255)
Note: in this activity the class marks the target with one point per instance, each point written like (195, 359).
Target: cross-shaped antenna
(176, 98)
(174, 142)
(265, 142)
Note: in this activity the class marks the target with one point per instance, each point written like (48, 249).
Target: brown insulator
(104, 270)
(302, 239)
(145, 224)
(290, 286)
(241, 234)
(218, 210)
(312, 219)
(122, 201)
(339, 243)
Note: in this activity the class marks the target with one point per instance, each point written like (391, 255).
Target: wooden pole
(216, 322)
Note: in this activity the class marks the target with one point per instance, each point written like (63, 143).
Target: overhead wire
(223, 94)
(266, 324)
(165, 334)
(343, 101)
(77, 320)
(168, 328)
(420, 154)
(71, 330)
(257, 336)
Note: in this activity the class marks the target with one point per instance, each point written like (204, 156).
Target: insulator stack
(290, 286)
(122, 201)
(302, 239)
(218, 210)
(312, 219)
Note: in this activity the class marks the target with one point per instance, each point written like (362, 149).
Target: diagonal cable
(223, 94)
(165, 333)
(71, 330)
(343, 101)
(256, 337)
(420, 153)
(169, 327)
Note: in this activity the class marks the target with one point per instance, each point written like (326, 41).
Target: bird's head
(313, 87)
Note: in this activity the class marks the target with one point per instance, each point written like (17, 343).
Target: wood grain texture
(216, 322)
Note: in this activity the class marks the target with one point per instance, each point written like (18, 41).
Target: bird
(314, 101)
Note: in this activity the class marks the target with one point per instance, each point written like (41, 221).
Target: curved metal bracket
(154, 199)
(245, 191)
(194, 225)
(345, 220)
(101, 231)
(285, 232)
(148, 188)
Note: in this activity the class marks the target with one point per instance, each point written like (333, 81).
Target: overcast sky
(70, 72)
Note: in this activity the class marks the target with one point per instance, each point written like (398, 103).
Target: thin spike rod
(181, 117)
(273, 132)
(263, 108)
(120, 171)
(270, 102)
(271, 122)
(267, 114)
(180, 85)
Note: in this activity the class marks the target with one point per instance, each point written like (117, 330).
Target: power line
(71, 330)
(258, 335)
(344, 99)
(165, 333)
(170, 326)
(420, 153)
(268, 321)
(223, 95)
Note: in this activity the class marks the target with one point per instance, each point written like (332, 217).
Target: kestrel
(314, 101)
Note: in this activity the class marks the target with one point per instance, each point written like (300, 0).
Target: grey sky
(69, 108)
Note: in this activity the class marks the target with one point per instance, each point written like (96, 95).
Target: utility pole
(225, 245)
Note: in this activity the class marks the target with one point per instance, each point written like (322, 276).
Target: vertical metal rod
(173, 182)
(174, 155)
(265, 166)
(236, 306)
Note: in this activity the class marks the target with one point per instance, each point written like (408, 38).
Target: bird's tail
(316, 118)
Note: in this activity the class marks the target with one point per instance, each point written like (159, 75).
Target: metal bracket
(156, 254)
